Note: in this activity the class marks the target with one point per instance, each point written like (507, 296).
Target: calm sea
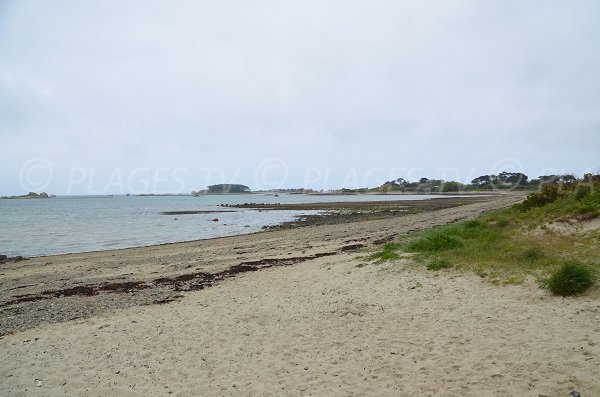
(80, 224)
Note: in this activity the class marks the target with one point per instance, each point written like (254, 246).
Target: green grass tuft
(437, 241)
(506, 247)
(532, 254)
(388, 253)
(572, 278)
(502, 222)
(474, 224)
(500, 246)
(438, 264)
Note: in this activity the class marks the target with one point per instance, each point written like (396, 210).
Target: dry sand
(320, 327)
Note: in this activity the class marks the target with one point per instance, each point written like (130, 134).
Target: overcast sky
(169, 96)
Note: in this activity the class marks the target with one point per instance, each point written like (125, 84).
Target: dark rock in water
(192, 212)
(215, 220)
(7, 259)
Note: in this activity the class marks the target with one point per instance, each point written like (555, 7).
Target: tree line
(503, 180)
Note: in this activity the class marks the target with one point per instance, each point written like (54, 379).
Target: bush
(438, 264)
(572, 278)
(548, 194)
(582, 191)
(589, 205)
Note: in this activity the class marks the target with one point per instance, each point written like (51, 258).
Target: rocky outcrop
(30, 195)
(8, 259)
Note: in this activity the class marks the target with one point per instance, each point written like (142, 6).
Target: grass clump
(570, 279)
(438, 264)
(532, 254)
(437, 241)
(580, 201)
(506, 252)
(502, 222)
(512, 245)
(388, 253)
(455, 237)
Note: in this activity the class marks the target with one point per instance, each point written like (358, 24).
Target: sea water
(35, 227)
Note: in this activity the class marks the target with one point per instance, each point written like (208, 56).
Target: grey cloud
(399, 85)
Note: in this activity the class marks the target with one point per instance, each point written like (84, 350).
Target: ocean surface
(35, 227)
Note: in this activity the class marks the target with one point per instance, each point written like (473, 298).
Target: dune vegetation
(552, 237)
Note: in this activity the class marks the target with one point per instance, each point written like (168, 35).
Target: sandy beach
(288, 312)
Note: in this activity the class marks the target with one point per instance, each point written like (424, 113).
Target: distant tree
(512, 178)
(228, 188)
(396, 182)
(560, 179)
(503, 179)
(591, 178)
(346, 190)
(484, 180)
(452, 186)
(424, 180)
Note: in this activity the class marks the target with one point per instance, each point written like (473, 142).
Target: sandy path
(323, 327)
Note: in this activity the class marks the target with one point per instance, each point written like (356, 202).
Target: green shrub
(438, 264)
(572, 278)
(589, 205)
(548, 194)
(592, 199)
(582, 191)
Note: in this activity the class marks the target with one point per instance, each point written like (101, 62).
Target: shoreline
(332, 213)
(289, 312)
(75, 283)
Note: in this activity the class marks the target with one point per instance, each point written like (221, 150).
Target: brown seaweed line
(183, 282)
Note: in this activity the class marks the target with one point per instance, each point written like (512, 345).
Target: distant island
(223, 188)
(503, 181)
(30, 195)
